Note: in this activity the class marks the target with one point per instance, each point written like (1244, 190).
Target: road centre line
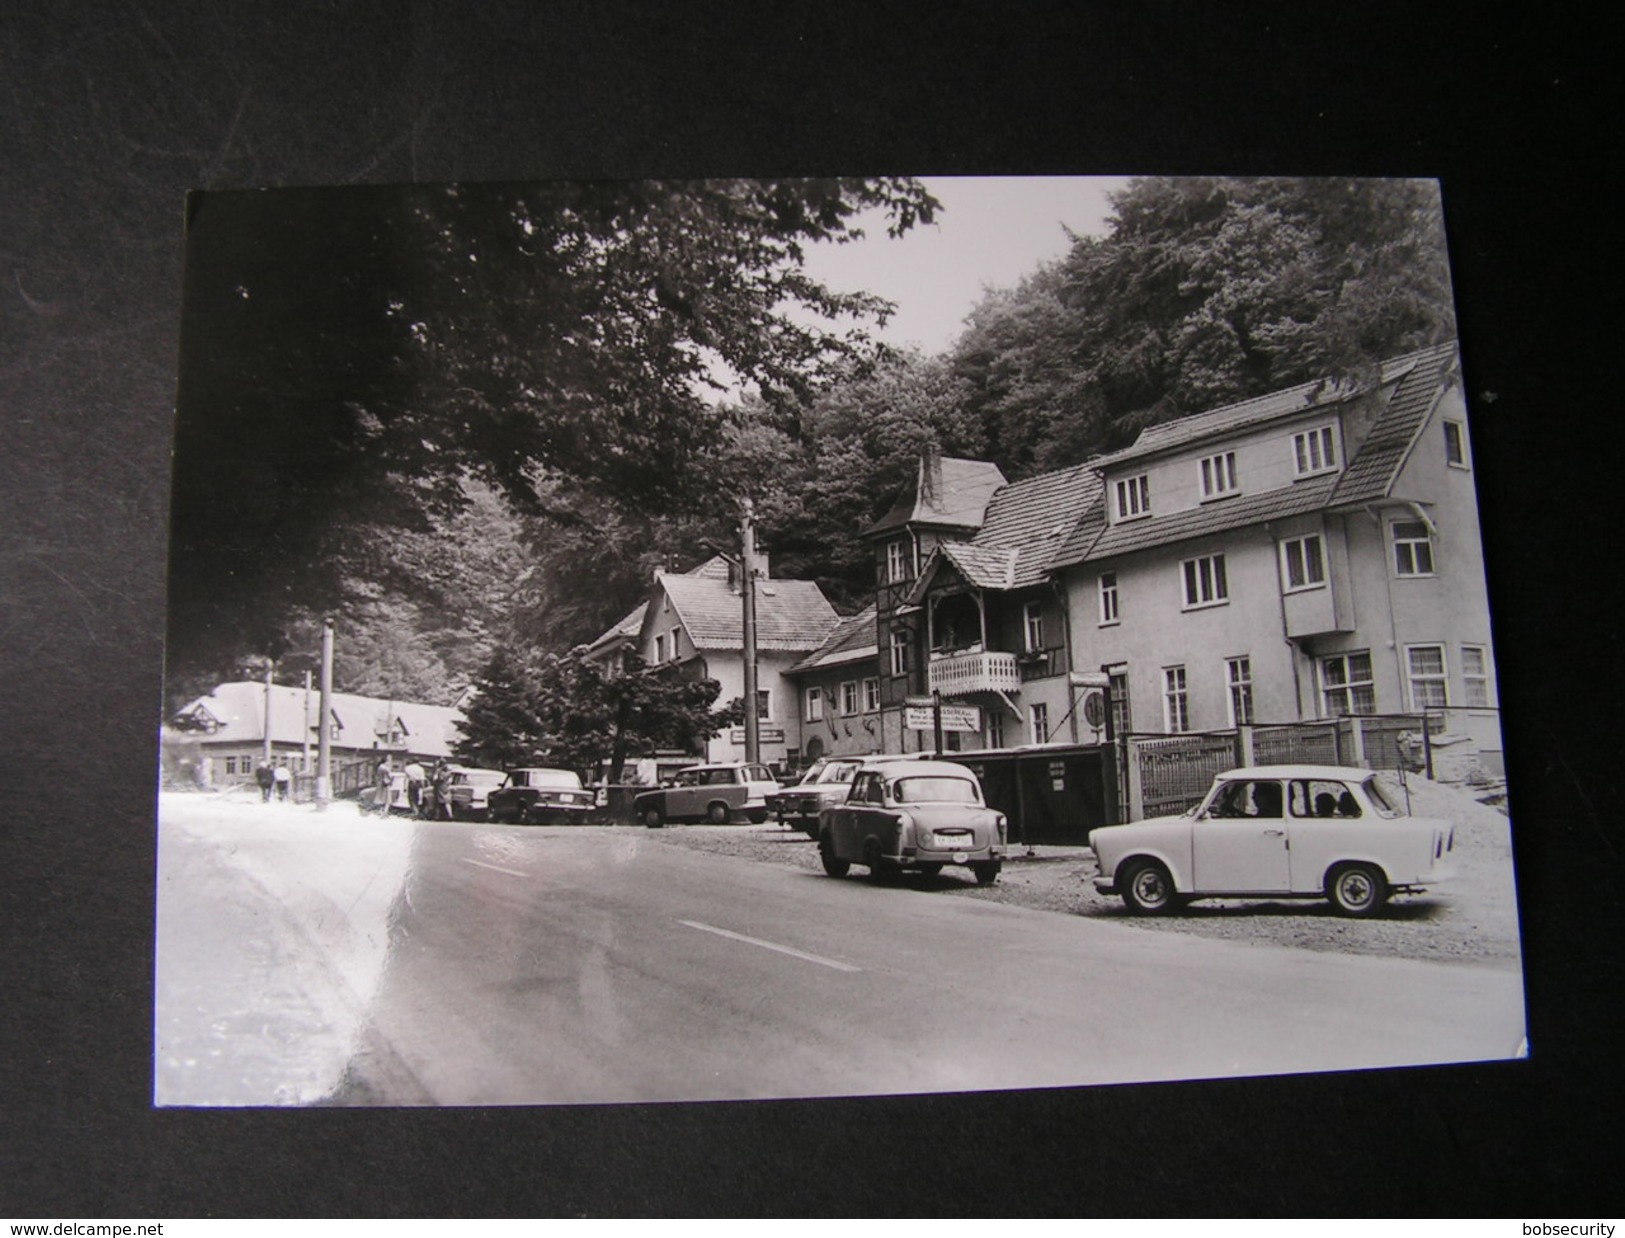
(769, 945)
(512, 872)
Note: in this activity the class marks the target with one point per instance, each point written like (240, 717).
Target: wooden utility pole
(747, 590)
(324, 741)
(269, 667)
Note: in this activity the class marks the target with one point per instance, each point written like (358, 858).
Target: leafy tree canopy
(352, 358)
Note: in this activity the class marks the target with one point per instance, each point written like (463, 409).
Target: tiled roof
(956, 494)
(1131, 535)
(238, 709)
(1033, 519)
(627, 629)
(791, 615)
(1372, 472)
(1414, 382)
(853, 640)
(986, 567)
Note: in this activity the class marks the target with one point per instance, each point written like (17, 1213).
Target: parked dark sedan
(540, 797)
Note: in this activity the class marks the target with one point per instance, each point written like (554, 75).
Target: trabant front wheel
(1146, 887)
(1357, 890)
(717, 813)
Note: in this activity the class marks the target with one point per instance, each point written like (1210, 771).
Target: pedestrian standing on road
(416, 780)
(382, 779)
(283, 776)
(440, 790)
(266, 780)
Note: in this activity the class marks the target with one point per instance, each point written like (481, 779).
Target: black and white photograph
(755, 639)
(638, 611)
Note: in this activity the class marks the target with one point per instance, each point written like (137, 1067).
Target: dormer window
(1219, 475)
(1134, 497)
(1314, 451)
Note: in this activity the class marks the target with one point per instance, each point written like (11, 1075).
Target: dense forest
(525, 473)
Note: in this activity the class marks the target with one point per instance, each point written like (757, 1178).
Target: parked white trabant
(1277, 831)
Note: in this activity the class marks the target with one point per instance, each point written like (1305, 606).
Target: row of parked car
(1285, 831)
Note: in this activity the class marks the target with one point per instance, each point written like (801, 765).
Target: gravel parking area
(1470, 919)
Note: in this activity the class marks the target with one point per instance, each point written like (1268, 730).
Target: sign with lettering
(954, 718)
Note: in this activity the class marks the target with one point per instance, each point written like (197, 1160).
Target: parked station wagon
(915, 815)
(714, 793)
(1278, 831)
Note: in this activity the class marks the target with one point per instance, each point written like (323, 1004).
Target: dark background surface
(114, 112)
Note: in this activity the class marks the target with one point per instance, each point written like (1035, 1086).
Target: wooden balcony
(962, 673)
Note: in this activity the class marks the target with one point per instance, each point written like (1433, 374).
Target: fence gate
(1168, 774)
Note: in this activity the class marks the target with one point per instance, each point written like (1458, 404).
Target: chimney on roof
(930, 473)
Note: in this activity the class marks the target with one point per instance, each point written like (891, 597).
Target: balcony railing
(975, 672)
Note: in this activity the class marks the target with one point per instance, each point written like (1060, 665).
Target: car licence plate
(954, 842)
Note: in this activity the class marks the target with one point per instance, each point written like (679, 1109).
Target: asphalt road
(504, 965)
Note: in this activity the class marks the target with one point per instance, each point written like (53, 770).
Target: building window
(899, 652)
(1219, 475)
(1455, 444)
(1032, 626)
(1346, 686)
(849, 697)
(1040, 723)
(995, 728)
(764, 703)
(815, 704)
(231, 765)
(1176, 711)
(1413, 548)
(1239, 674)
(1314, 451)
(1303, 563)
(1475, 674)
(676, 644)
(1134, 497)
(897, 561)
(660, 650)
(1108, 598)
(1425, 669)
(1122, 717)
(1205, 583)
(871, 695)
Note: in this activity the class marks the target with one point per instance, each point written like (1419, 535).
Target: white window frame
(1133, 497)
(660, 648)
(898, 650)
(814, 711)
(897, 561)
(676, 643)
(1439, 677)
(1110, 600)
(1349, 688)
(1407, 561)
(1038, 721)
(1475, 683)
(1122, 713)
(871, 696)
(764, 704)
(849, 698)
(1204, 582)
(1296, 548)
(1314, 451)
(1238, 675)
(1176, 700)
(1032, 627)
(995, 728)
(1218, 473)
(1455, 443)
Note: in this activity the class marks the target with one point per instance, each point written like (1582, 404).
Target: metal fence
(1167, 774)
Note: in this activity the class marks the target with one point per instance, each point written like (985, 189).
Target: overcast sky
(990, 233)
